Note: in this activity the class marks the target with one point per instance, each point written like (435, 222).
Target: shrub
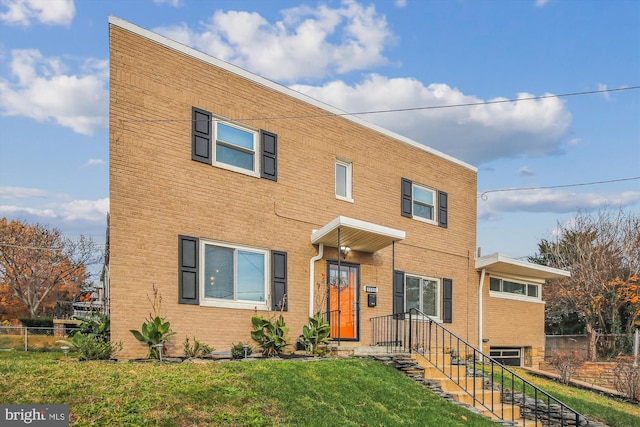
(566, 363)
(90, 347)
(197, 349)
(627, 380)
(156, 330)
(314, 333)
(238, 350)
(270, 336)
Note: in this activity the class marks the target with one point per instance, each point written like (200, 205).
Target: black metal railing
(333, 317)
(415, 332)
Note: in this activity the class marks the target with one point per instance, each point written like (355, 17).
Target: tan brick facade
(158, 193)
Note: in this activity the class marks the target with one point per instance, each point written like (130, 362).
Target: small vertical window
(424, 202)
(422, 293)
(236, 148)
(343, 180)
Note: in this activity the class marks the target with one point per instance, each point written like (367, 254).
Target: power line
(483, 195)
(399, 110)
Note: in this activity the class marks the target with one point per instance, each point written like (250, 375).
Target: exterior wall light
(344, 250)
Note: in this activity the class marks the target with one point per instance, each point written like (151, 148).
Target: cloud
(401, 3)
(50, 12)
(76, 210)
(44, 90)
(602, 86)
(476, 134)
(94, 162)
(490, 205)
(306, 44)
(21, 192)
(173, 3)
(525, 171)
(541, 3)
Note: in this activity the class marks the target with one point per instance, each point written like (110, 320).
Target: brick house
(234, 195)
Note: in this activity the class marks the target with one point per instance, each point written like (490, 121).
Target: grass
(328, 392)
(610, 411)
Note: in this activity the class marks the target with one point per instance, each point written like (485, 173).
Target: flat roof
(186, 50)
(498, 263)
(356, 234)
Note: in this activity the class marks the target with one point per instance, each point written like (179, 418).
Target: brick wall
(157, 192)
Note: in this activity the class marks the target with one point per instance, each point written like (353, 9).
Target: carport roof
(498, 263)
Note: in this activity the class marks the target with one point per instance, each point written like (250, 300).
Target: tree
(39, 265)
(602, 252)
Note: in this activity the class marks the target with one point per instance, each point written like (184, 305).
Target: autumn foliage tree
(602, 252)
(39, 266)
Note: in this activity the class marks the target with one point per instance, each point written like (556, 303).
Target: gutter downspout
(481, 287)
(312, 271)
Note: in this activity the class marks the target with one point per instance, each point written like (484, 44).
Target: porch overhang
(357, 234)
(500, 264)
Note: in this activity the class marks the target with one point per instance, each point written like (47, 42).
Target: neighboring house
(234, 195)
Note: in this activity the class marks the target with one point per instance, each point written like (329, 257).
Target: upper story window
(236, 148)
(513, 288)
(344, 180)
(424, 203)
(422, 293)
(233, 275)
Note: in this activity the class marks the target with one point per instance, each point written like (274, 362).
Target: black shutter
(269, 149)
(447, 300)
(201, 146)
(188, 270)
(279, 298)
(443, 202)
(407, 198)
(398, 292)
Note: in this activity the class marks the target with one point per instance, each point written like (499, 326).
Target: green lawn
(328, 392)
(612, 412)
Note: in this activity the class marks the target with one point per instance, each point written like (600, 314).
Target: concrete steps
(483, 397)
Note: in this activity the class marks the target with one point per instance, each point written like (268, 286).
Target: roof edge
(488, 260)
(172, 44)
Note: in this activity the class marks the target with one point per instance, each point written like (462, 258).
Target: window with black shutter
(188, 291)
(279, 298)
(447, 300)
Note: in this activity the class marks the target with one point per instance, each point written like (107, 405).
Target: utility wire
(483, 195)
(398, 110)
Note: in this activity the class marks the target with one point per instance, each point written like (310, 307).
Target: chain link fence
(41, 339)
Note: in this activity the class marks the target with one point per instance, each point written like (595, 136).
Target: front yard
(326, 392)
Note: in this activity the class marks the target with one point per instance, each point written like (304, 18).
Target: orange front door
(343, 301)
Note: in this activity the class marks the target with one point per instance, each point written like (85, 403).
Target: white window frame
(255, 150)
(434, 193)
(501, 355)
(514, 296)
(438, 315)
(239, 304)
(348, 180)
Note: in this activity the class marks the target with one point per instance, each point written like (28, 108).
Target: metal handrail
(461, 362)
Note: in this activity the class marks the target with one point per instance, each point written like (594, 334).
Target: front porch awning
(356, 234)
(500, 264)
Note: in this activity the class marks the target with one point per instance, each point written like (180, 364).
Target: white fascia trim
(343, 221)
(486, 261)
(157, 38)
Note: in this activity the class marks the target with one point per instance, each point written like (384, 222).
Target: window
(424, 203)
(343, 180)
(233, 275)
(514, 288)
(235, 148)
(422, 293)
(507, 356)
